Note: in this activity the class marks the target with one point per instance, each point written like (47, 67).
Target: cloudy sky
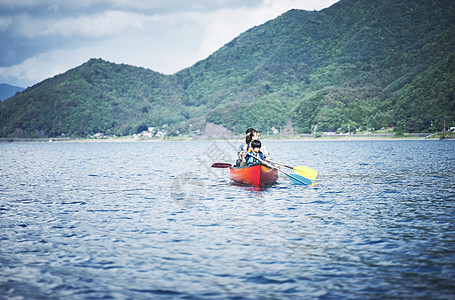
(39, 39)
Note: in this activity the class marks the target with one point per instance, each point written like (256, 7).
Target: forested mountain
(359, 63)
(96, 97)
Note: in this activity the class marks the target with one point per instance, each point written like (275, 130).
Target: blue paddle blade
(297, 179)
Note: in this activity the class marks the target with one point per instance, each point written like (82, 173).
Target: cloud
(43, 38)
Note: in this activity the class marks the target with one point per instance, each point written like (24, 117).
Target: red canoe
(255, 175)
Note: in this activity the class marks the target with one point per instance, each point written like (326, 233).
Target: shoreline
(354, 137)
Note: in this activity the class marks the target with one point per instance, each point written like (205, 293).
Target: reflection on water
(153, 220)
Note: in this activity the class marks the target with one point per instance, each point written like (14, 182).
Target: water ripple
(105, 220)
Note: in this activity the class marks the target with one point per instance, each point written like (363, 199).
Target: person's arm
(240, 151)
(266, 153)
(244, 157)
(262, 156)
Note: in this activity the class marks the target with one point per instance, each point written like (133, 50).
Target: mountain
(7, 90)
(357, 64)
(97, 96)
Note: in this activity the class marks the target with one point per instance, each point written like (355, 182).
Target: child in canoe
(251, 135)
(248, 158)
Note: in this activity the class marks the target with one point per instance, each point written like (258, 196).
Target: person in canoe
(248, 158)
(251, 135)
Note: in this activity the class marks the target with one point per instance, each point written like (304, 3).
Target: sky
(40, 39)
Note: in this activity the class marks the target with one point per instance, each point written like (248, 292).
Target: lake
(152, 220)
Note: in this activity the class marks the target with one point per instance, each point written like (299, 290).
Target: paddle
(221, 165)
(302, 171)
(296, 179)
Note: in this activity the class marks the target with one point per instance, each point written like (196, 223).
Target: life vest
(250, 159)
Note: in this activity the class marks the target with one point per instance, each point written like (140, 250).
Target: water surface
(153, 220)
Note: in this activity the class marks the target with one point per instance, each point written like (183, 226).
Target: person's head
(256, 146)
(249, 135)
(255, 135)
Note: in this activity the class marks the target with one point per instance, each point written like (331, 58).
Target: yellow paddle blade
(306, 172)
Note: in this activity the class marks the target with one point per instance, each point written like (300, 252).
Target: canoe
(255, 175)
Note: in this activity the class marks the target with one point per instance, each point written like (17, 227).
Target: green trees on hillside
(359, 64)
